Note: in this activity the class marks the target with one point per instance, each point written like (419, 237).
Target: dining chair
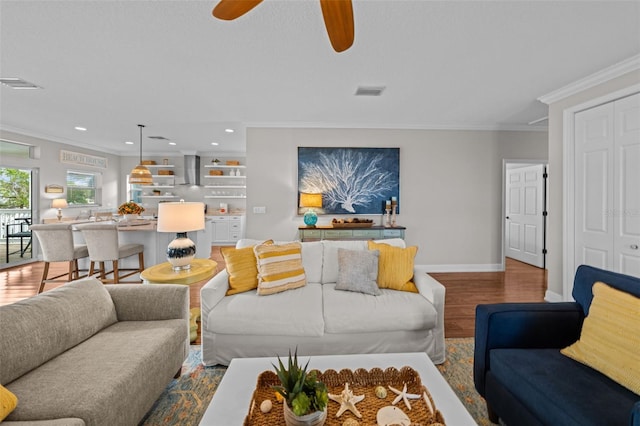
(56, 243)
(18, 229)
(104, 246)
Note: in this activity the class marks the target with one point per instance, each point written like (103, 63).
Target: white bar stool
(103, 245)
(56, 242)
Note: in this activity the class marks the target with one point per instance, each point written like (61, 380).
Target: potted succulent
(305, 397)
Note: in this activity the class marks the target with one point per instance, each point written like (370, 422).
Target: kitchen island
(155, 243)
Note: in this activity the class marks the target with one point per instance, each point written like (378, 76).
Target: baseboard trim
(482, 267)
(552, 297)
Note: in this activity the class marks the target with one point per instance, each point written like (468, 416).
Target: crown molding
(50, 138)
(609, 73)
(378, 126)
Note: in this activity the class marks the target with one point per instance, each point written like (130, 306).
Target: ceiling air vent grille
(160, 138)
(369, 90)
(18, 83)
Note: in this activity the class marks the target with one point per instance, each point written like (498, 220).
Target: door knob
(507, 217)
(634, 247)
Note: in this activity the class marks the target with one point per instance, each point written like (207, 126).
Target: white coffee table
(230, 404)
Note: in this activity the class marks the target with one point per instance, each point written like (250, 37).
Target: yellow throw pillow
(610, 336)
(395, 266)
(242, 269)
(8, 402)
(279, 267)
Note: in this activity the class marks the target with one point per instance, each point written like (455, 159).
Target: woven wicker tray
(353, 225)
(360, 382)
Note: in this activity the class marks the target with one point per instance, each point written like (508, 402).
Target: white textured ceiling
(108, 65)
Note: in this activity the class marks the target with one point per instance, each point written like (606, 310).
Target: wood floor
(519, 283)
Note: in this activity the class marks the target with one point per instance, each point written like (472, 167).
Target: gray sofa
(89, 354)
(317, 319)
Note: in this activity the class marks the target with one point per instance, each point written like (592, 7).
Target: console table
(349, 233)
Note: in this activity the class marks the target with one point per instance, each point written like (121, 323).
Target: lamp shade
(59, 203)
(140, 175)
(310, 200)
(180, 217)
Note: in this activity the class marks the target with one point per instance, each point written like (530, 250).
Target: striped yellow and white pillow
(279, 267)
(610, 336)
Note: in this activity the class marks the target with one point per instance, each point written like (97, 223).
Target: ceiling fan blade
(338, 19)
(232, 9)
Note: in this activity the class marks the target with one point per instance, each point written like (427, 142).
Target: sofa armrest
(635, 415)
(522, 325)
(434, 292)
(212, 293)
(135, 302)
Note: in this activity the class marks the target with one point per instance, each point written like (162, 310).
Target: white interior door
(594, 187)
(626, 217)
(607, 186)
(524, 219)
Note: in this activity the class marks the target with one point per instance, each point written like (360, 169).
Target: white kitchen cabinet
(227, 230)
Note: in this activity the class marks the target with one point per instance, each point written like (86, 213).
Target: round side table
(163, 273)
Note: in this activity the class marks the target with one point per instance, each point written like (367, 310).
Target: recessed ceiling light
(229, 130)
(214, 143)
(129, 143)
(80, 129)
(172, 143)
(369, 90)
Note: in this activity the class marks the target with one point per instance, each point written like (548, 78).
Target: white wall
(51, 171)
(555, 264)
(450, 186)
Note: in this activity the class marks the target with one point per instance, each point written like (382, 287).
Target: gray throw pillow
(358, 271)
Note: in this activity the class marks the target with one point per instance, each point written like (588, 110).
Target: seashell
(381, 392)
(350, 422)
(390, 415)
(266, 406)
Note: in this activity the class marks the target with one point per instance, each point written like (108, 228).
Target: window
(82, 188)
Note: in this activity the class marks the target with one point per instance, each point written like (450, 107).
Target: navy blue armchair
(525, 380)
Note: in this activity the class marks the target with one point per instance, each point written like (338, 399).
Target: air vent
(18, 83)
(160, 138)
(369, 91)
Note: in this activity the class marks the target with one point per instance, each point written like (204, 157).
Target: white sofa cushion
(312, 260)
(349, 312)
(295, 312)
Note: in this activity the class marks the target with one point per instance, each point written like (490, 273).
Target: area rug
(186, 399)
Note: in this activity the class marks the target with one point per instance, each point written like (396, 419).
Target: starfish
(403, 395)
(347, 401)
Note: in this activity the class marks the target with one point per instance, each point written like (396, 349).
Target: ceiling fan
(338, 18)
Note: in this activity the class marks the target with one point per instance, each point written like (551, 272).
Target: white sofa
(317, 318)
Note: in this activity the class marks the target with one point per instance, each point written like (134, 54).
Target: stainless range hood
(192, 170)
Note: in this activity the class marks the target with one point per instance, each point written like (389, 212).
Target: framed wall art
(351, 180)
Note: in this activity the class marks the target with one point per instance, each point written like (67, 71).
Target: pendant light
(140, 174)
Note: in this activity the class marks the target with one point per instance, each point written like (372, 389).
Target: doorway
(525, 211)
(16, 215)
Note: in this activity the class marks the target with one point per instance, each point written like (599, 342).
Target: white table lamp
(180, 217)
(59, 203)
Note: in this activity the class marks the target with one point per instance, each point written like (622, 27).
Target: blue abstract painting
(351, 180)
